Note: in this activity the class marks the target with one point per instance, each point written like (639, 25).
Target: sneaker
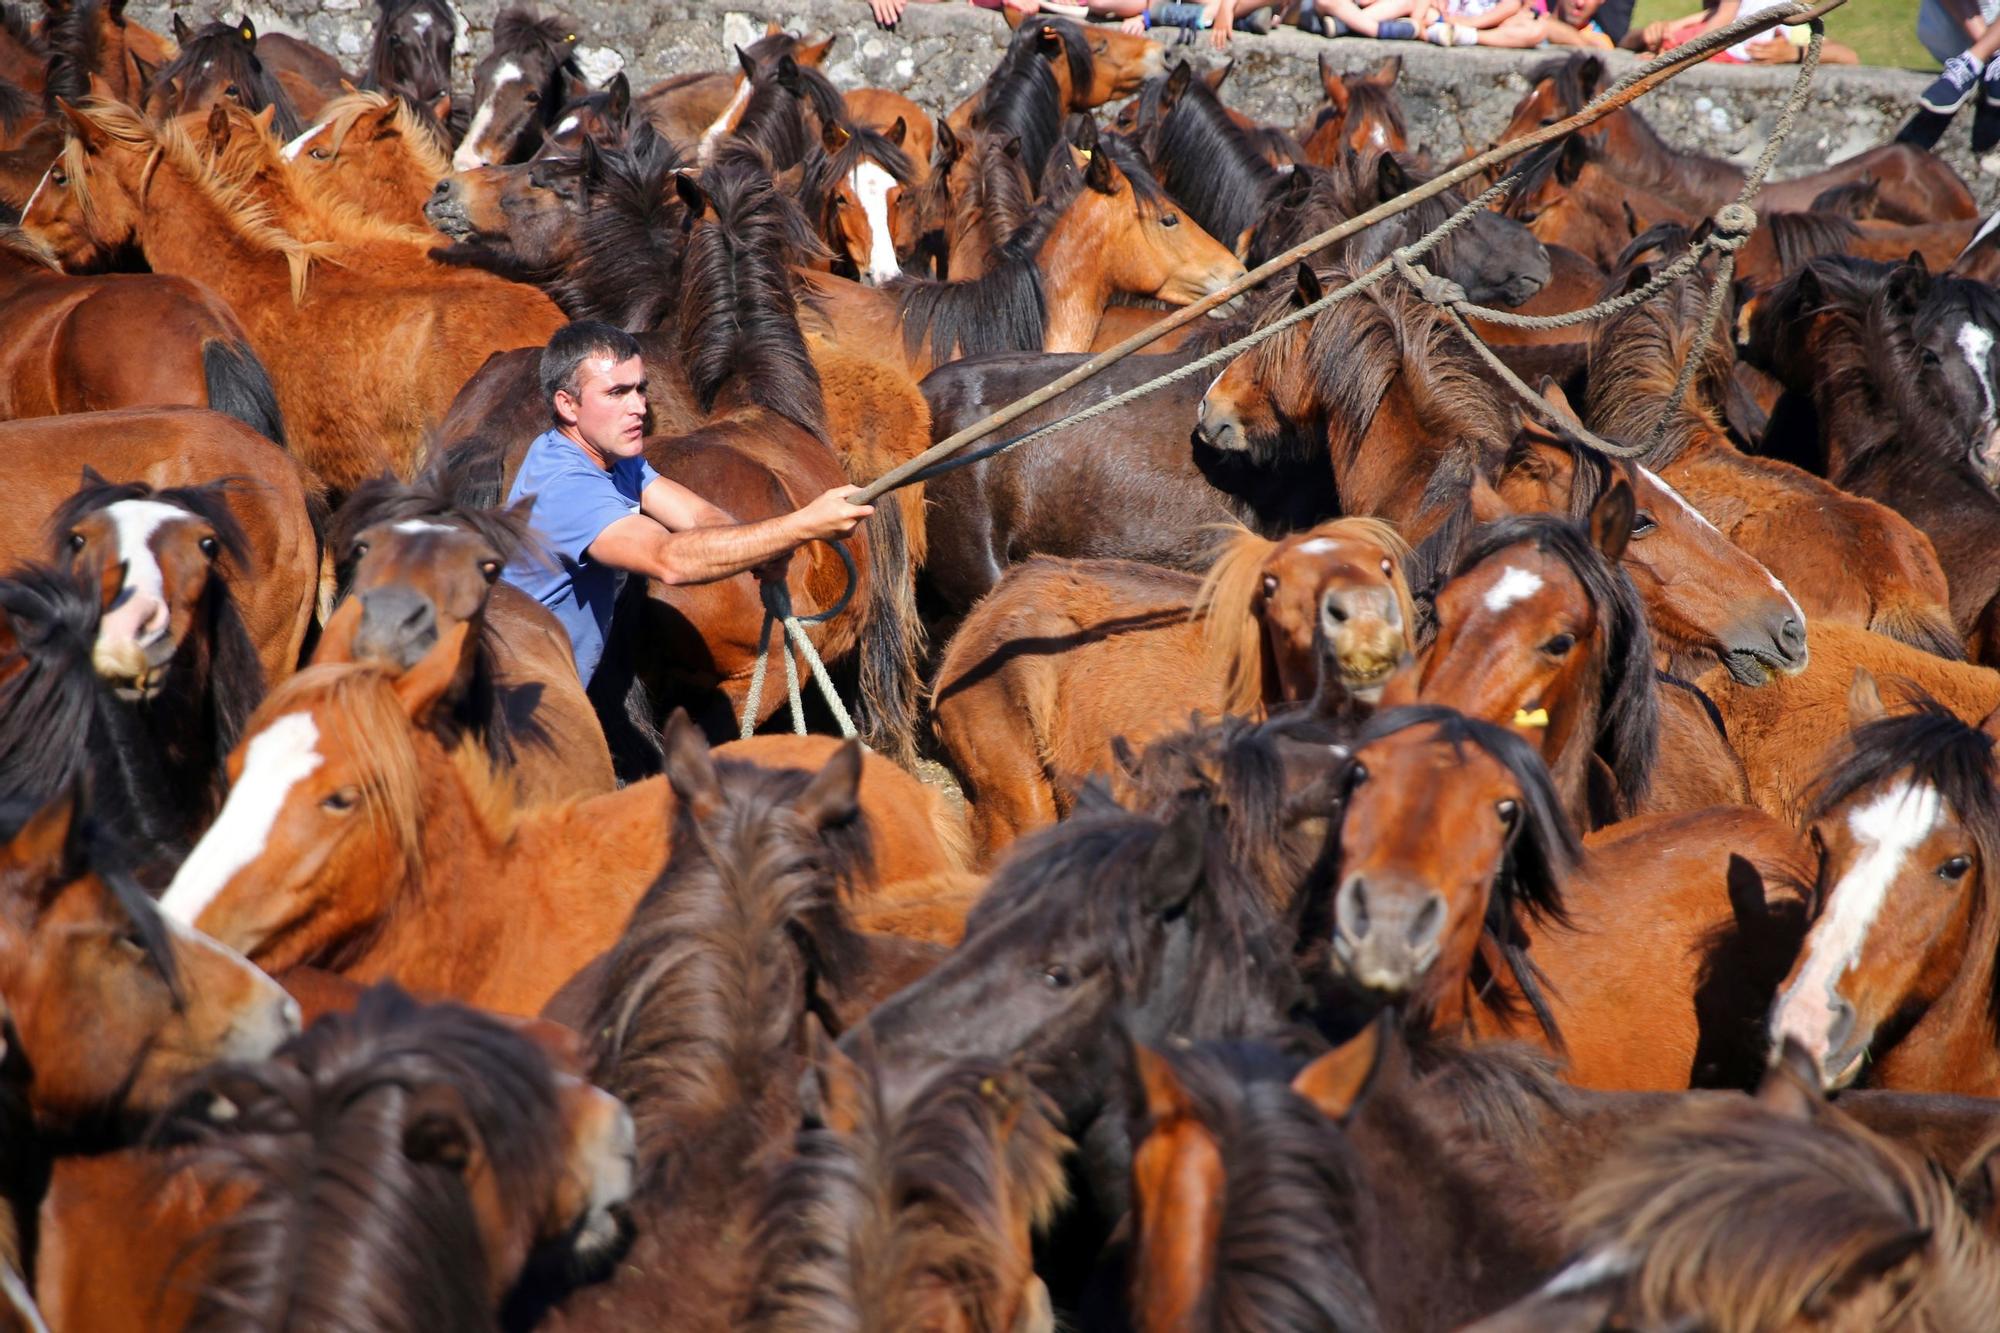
(1259, 21)
(1396, 30)
(1949, 91)
(1989, 84)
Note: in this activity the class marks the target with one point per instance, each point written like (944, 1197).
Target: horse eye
(59, 178)
(230, 92)
(1270, 585)
(76, 541)
(1057, 977)
(342, 801)
(128, 942)
(1559, 645)
(840, 201)
(1356, 775)
(534, 99)
(1170, 220)
(490, 569)
(1954, 870)
(358, 550)
(209, 547)
(1526, 217)
(317, 154)
(1931, 358)
(1642, 523)
(394, 40)
(1509, 811)
(1385, 565)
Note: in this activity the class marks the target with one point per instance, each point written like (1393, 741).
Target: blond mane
(1228, 599)
(252, 163)
(339, 117)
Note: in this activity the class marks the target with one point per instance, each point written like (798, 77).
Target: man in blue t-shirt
(602, 512)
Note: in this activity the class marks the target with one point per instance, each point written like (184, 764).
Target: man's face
(1578, 13)
(609, 410)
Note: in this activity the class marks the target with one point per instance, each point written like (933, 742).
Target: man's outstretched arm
(642, 544)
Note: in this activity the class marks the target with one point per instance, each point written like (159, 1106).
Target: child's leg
(1519, 31)
(1369, 20)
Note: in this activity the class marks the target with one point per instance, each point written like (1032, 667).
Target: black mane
(73, 44)
(782, 91)
(1021, 98)
(1205, 160)
(1628, 725)
(222, 44)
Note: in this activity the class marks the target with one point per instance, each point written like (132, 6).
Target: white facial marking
(36, 193)
(414, 525)
(1975, 344)
(1514, 585)
(1317, 546)
(1587, 1272)
(1886, 830)
(566, 124)
(871, 185)
(1702, 519)
(1376, 138)
(723, 121)
(471, 150)
(133, 523)
(290, 152)
(279, 757)
(421, 21)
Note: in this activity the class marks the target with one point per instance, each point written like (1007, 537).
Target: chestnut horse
(412, 565)
(62, 335)
(1846, 559)
(1361, 113)
(1895, 982)
(859, 193)
(376, 152)
(353, 839)
(1647, 956)
(1102, 227)
(364, 358)
(181, 446)
(1064, 656)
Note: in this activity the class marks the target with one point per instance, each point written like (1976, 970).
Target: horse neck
(185, 233)
(1383, 471)
(1955, 1045)
(1074, 286)
(1853, 417)
(1701, 181)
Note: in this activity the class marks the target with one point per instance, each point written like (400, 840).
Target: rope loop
(1732, 226)
(1433, 287)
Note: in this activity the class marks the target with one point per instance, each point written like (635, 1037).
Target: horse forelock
(1204, 160)
(1634, 360)
(417, 129)
(220, 42)
(519, 31)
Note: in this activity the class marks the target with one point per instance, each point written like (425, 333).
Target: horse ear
(265, 119)
(898, 132)
(1553, 394)
(1335, 1082)
(1385, 74)
(1097, 170)
(1570, 161)
(833, 797)
(1611, 519)
(1589, 74)
(181, 30)
(749, 65)
(691, 195)
(1864, 699)
(1177, 84)
(143, 72)
(788, 73)
(1013, 17)
(589, 162)
(833, 137)
(618, 96)
(436, 1131)
(1335, 86)
(1216, 77)
(1174, 866)
(772, 27)
(1166, 1096)
(814, 53)
(1790, 1087)
(690, 767)
(1307, 288)
(82, 127)
(1297, 189)
(1909, 284)
(1390, 178)
(40, 847)
(1887, 1263)
(218, 128)
(421, 687)
(246, 30)
(832, 1091)
(441, 107)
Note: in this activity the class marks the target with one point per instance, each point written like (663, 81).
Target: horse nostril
(443, 190)
(1332, 609)
(1839, 1026)
(1792, 635)
(1350, 910)
(1428, 923)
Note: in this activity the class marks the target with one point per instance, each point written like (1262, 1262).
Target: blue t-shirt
(575, 500)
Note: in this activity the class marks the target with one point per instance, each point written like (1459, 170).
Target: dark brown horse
(519, 87)
(410, 49)
(219, 63)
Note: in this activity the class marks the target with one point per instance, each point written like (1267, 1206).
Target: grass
(1882, 32)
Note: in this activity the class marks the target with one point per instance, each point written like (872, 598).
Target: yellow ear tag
(1083, 153)
(1538, 718)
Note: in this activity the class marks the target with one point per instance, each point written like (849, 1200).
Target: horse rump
(240, 387)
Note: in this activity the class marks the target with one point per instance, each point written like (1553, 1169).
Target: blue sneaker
(1952, 87)
(1396, 30)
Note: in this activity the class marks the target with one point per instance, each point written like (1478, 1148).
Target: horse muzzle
(1218, 428)
(1828, 1031)
(1766, 651)
(446, 210)
(1386, 936)
(1985, 459)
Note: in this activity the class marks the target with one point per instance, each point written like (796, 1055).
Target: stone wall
(940, 52)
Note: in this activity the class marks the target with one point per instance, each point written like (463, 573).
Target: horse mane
(1503, 1092)
(1535, 168)
(739, 324)
(420, 130)
(627, 269)
(350, 1222)
(1628, 725)
(27, 248)
(1566, 72)
(1539, 855)
(1697, 1219)
(220, 42)
(1288, 1250)
(701, 993)
(1799, 237)
(862, 1227)
(1937, 749)
(1634, 360)
(234, 682)
(60, 729)
(72, 42)
(1021, 98)
(999, 198)
(1348, 187)
(250, 219)
(1236, 642)
(772, 118)
(249, 157)
(19, 25)
(1206, 161)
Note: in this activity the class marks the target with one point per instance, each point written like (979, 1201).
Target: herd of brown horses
(1414, 871)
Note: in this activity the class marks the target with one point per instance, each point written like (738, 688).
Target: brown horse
(179, 446)
(364, 358)
(412, 566)
(1064, 656)
(1697, 1221)
(1361, 113)
(519, 87)
(859, 193)
(95, 39)
(1895, 980)
(60, 352)
(477, 1149)
(221, 64)
(354, 840)
(918, 1213)
(1913, 185)
(1103, 227)
(683, 107)
(376, 152)
(1647, 956)
(1846, 559)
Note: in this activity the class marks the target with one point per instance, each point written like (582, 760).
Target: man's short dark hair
(575, 344)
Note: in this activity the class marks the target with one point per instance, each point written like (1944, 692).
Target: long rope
(1731, 229)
